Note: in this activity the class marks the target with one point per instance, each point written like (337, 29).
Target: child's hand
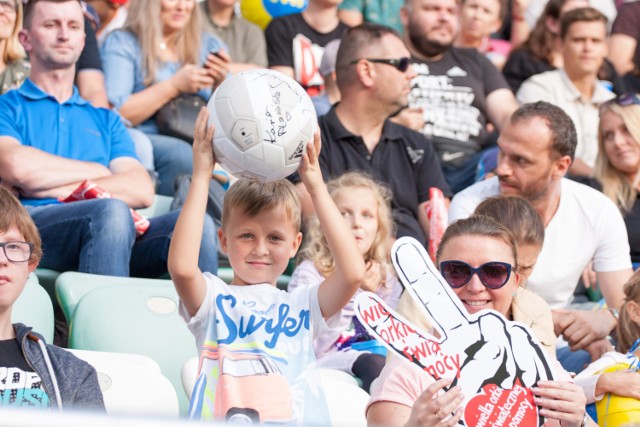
(622, 383)
(203, 157)
(310, 172)
(371, 280)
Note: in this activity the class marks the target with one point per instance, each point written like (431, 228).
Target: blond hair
(316, 248)
(143, 20)
(13, 50)
(14, 215)
(252, 197)
(627, 330)
(615, 184)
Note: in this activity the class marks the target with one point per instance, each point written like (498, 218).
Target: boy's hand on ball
(310, 171)
(203, 157)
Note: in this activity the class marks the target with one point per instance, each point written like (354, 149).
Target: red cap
(120, 2)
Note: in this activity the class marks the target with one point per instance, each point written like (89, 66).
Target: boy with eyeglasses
(32, 373)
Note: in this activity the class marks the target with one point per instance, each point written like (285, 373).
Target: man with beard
(373, 74)
(458, 89)
(536, 148)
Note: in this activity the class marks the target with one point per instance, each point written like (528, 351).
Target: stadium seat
(47, 279)
(189, 375)
(334, 374)
(347, 402)
(138, 316)
(33, 308)
(132, 384)
(160, 206)
(71, 286)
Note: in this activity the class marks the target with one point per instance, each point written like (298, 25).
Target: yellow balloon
(261, 12)
(617, 411)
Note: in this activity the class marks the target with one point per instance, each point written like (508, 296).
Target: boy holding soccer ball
(255, 340)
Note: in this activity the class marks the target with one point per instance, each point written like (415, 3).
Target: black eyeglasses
(493, 275)
(401, 64)
(17, 251)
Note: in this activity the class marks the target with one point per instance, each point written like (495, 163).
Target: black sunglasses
(493, 275)
(627, 99)
(401, 64)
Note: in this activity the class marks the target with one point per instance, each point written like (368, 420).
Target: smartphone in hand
(215, 53)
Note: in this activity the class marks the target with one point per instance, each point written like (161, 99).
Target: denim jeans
(98, 236)
(172, 157)
(461, 176)
(573, 361)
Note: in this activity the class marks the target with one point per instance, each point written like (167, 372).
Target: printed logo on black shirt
(21, 389)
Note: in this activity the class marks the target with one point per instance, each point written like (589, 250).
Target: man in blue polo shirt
(51, 140)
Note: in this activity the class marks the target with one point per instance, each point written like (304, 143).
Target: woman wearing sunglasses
(478, 258)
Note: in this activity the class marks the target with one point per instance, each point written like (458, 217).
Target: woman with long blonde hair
(160, 54)
(617, 168)
(14, 69)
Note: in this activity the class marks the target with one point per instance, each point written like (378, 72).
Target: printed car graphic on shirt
(250, 389)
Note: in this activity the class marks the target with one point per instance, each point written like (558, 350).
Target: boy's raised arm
(185, 242)
(341, 285)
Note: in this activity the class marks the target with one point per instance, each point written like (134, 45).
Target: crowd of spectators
(503, 105)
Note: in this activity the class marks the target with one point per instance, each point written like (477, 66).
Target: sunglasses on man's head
(493, 275)
(627, 99)
(401, 64)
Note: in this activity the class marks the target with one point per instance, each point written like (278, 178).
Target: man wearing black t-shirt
(295, 43)
(458, 89)
(374, 77)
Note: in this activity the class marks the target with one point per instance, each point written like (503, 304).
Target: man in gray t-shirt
(245, 39)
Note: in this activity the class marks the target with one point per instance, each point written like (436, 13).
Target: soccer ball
(613, 410)
(263, 121)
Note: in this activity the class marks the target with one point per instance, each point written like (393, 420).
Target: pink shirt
(402, 382)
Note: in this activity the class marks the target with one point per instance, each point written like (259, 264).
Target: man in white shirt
(581, 224)
(576, 88)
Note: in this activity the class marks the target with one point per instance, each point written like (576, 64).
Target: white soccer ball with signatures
(263, 121)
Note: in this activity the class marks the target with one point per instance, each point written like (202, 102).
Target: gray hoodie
(69, 381)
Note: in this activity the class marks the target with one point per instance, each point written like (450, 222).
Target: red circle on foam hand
(497, 407)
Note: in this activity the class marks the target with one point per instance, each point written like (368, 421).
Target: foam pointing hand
(493, 360)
